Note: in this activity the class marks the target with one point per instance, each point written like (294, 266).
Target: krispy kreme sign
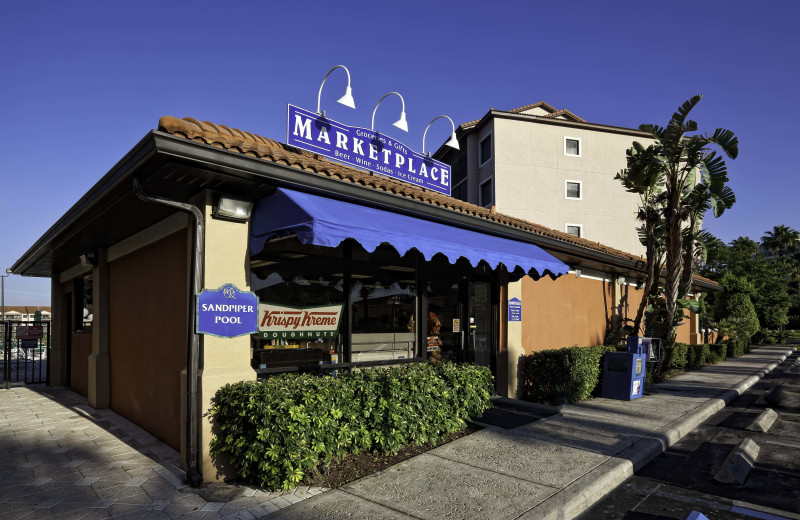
(283, 322)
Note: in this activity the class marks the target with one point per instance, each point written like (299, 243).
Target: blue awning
(327, 222)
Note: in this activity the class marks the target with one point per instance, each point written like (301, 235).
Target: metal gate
(26, 349)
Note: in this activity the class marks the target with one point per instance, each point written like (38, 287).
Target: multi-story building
(550, 167)
(26, 313)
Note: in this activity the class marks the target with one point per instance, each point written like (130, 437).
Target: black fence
(25, 351)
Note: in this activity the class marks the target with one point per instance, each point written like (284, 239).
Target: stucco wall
(564, 312)
(531, 169)
(148, 300)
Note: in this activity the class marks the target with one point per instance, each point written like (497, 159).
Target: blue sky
(84, 81)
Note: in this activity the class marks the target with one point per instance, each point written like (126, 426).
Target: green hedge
(697, 356)
(718, 352)
(278, 429)
(566, 375)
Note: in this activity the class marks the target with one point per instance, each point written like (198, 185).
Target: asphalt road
(680, 480)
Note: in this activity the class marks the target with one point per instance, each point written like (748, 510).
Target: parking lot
(681, 480)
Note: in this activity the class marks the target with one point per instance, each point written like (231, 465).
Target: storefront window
(290, 274)
(383, 300)
(380, 292)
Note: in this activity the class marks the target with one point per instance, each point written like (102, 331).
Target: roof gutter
(193, 473)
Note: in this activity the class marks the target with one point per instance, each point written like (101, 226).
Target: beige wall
(531, 170)
(223, 360)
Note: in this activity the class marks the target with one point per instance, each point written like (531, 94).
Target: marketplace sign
(365, 149)
(282, 322)
(227, 312)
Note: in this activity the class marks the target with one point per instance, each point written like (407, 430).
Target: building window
(487, 194)
(575, 229)
(485, 150)
(573, 190)
(572, 146)
(459, 191)
(458, 174)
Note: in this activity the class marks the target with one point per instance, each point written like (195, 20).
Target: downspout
(193, 474)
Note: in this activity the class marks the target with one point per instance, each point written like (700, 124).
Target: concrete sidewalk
(554, 468)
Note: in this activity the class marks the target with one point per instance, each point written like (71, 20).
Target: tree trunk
(673, 268)
(650, 279)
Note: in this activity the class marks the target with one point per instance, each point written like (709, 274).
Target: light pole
(346, 100)
(452, 143)
(3, 292)
(400, 123)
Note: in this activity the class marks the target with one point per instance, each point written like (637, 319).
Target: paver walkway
(60, 458)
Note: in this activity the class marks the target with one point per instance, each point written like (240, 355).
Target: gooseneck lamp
(346, 100)
(452, 142)
(400, 123)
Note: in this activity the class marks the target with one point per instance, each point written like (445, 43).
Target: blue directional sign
(365, 149)
(227, 312)
(514, 309)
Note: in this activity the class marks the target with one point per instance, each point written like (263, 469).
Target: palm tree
(782, 240)
(679, 179)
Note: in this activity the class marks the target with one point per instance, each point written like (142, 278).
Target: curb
(595, 485)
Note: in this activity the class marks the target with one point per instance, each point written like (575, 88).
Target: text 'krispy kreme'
(277, 318)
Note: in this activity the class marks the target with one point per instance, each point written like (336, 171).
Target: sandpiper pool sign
(227, 312)
(365, 149)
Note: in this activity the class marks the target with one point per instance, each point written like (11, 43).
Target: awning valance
(327, 222)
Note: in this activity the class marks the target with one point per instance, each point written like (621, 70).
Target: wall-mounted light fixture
(233, 209)
(346, 100)
(452, 142)
(577, 272)
(89, 260)
(621, 280)
(401, 123)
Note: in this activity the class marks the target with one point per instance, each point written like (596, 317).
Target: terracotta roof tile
(542, 104)
(267, 149)
(566, 113)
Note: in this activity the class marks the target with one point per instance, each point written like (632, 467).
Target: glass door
(480, 339)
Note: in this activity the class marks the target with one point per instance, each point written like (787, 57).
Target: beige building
(550, 167)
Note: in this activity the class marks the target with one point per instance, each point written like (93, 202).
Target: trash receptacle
(623, 375)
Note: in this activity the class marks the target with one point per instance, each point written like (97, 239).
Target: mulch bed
(351, 467)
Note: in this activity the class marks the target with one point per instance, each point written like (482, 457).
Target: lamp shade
(453, 142)
(401, 123)
(347, 100)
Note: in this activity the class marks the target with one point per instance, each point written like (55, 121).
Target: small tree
(678, 179)
(735, 312)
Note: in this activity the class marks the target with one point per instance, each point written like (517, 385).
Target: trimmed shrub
(718, 352)
(276, 430)
(736, 348)
(697, 356)
(559, 376)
